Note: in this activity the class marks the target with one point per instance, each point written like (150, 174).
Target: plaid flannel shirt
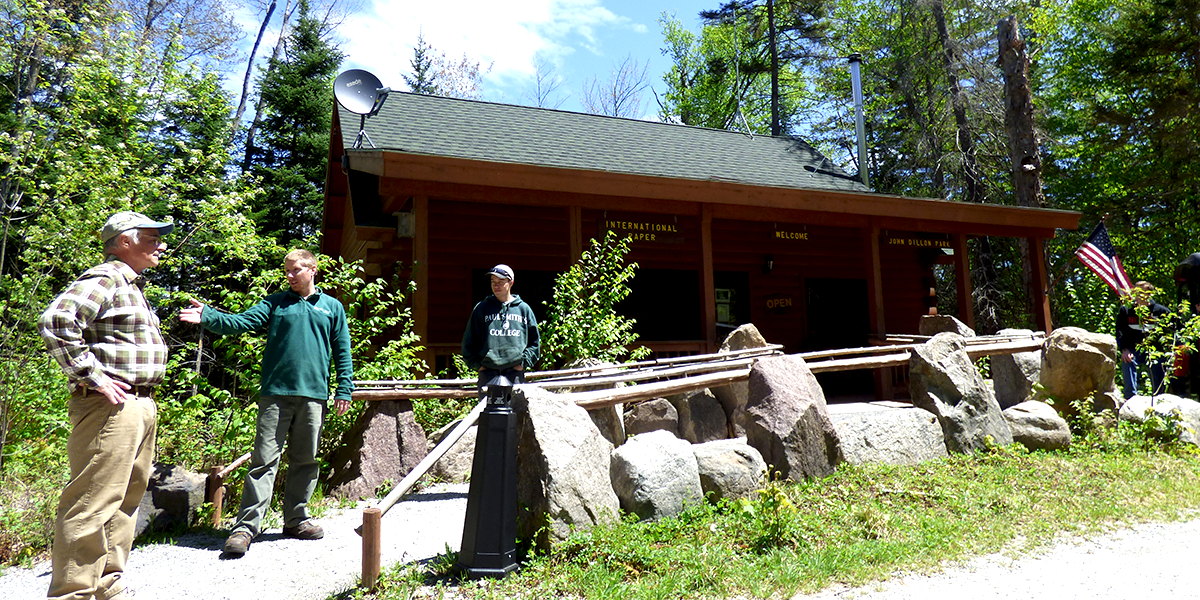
(101, 328)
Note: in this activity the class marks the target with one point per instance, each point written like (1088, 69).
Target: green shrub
(581, 321)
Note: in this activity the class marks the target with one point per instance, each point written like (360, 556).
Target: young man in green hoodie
(305, 329)
(502, 334)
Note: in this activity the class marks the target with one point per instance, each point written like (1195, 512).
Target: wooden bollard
(216, 494)
(372, 523)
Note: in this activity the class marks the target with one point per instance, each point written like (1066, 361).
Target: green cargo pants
(296, 421)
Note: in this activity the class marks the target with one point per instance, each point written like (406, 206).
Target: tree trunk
(1022, 138)
(288, 9)
(237, 117)
(986, 290)
(775, 128)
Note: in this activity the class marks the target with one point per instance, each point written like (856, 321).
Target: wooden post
(874, 266)
(216, 494)
(708, 293)
(575, 228)
(1041, 300)
(371, 560)
(962, 277)
(420, 274)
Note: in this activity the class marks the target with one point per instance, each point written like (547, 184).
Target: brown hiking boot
(238, 543)
(306, 530)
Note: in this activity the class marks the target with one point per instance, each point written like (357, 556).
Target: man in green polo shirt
(305, 330)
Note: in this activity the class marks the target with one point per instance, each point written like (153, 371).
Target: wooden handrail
(223, 473)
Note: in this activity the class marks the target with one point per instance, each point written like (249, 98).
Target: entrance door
(837, 316)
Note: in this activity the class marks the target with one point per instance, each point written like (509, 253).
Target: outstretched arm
(192, 315)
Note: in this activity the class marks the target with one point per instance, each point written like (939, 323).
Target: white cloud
(506, 35)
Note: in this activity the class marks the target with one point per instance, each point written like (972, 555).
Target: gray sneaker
(238, 543)
(306, 530)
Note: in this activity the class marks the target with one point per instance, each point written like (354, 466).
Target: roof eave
(396, 164)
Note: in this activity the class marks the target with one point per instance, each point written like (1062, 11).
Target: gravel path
(1147, 561)
(278, 568)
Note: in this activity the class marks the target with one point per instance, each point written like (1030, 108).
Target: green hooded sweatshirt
(501, 335)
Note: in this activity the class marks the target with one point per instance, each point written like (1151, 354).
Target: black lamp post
(489, 544)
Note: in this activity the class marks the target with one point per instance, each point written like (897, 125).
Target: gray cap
(504, 271)
(124, 221)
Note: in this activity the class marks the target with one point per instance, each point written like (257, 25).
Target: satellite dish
(361, 93)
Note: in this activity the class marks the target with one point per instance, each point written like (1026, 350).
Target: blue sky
(581, 38)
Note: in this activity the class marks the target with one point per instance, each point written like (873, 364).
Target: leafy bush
(582, 321)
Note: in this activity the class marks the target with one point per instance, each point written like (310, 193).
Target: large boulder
(563, 462)
(745, 336)
(787, 420)
(652, 415)
(935, 324)
(884, 435)
(729, 468)
(655, 475)
(1136, 410)
(611, 423)
(943, 380)
(172, 500)
(733, 396)
(455, 464)
(609, 419)
(701, 417)
(384, 444)
(1014, 375)
(1078, 364)
(1037, 426)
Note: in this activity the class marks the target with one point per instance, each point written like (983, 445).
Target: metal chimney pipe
(859, 127)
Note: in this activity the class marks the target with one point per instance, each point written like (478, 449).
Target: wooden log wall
(906, 273)
(469, 235)
(798, 252)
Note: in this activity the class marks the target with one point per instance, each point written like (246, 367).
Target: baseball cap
(124, 221)
(502, 271)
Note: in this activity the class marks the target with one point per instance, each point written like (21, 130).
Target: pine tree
(297, 94)
(423, 79)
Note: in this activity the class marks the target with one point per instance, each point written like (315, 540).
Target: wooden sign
(789, 236)
(778, 304)
(644, 231)
(916, 240)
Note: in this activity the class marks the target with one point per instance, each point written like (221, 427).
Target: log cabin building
(727, 228)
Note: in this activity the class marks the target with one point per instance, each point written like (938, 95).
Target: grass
(859, 525)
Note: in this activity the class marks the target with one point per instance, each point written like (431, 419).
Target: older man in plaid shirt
(107, 340)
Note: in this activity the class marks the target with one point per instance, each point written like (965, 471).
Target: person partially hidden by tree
(502, 334)
(107, 340)
(306, 330)
(1130, 333)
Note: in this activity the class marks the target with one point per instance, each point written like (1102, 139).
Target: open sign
(778, 304)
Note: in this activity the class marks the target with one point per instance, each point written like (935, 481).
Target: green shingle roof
(506, 133)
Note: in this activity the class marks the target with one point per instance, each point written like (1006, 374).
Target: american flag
(1098, 254)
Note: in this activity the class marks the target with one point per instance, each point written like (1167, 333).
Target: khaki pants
(111, 450)
(296, 421)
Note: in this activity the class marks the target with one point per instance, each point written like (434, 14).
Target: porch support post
(962, 277)
(708, 294)
(420, 274)
(883, 377)
(1037, 270)
(575, 244)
